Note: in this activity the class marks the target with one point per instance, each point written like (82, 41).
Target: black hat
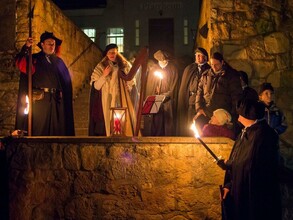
(250, 109)
(265, 86)
(109, 47)
(202, 51)
(49, 35)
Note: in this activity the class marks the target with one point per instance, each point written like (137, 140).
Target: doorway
(161, 35)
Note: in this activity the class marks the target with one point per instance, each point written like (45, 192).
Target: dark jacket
(216, 91)
(275, 118)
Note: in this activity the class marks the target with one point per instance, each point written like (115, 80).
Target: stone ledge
(138, 140)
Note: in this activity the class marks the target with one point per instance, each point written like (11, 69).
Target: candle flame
(117, 115)
(159, 74)
(26, 110)
(196, 133)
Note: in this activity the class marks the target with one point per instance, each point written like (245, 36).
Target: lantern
(118, 121)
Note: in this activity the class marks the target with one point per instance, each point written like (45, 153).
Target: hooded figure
(251, 188)
(52, 111)
(163, 122)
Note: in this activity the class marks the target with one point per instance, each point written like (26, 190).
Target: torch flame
(196, 133)
(159, 74)
(26, 110)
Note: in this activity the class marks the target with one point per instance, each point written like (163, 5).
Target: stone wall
(79, 53)
(256, 37)
(115, 178)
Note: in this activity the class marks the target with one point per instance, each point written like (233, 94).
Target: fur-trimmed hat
(250, 109)
(265, 86)
(202, 51)
(222, 116)
(49, 35)
(109, 47)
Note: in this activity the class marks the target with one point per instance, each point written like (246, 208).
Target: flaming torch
(160, 76)
(197, 136)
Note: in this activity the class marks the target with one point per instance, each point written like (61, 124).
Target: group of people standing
(215, 96)
(208, 94)
(218, 99)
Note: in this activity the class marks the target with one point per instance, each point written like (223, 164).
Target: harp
(134, 100)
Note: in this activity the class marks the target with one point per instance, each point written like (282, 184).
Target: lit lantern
(118, 121)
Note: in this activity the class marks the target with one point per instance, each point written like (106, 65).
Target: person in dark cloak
(187, 92)
(163, 122)
(52, 111)
(251, 185)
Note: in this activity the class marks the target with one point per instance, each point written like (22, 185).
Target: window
(90, 32)
(185, 32)
(116, 36)
(136, 32)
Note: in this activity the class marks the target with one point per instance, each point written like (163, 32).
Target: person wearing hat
(251, 186)
(219, 87)
(219, 125)
(105, 90)
(163, 122)
(52, 111)
(188, 89)
(274, 116)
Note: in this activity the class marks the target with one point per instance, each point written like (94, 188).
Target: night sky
(80, 4)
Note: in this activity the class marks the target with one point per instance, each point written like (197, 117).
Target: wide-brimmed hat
(49, 35)
(250, 109)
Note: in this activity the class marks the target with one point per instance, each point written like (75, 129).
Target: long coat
(104, 98)
(164, 122)
(221, 90)
(187, 94)
(53, 114)
(253, 175)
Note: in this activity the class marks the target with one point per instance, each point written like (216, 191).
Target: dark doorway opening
(161, 35)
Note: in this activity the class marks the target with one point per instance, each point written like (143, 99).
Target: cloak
(253, 175)
(53, 114)
(190, 73)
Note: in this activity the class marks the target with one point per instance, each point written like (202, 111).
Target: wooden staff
(30, 61)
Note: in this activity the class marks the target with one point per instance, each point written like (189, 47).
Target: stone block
(276, 43)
